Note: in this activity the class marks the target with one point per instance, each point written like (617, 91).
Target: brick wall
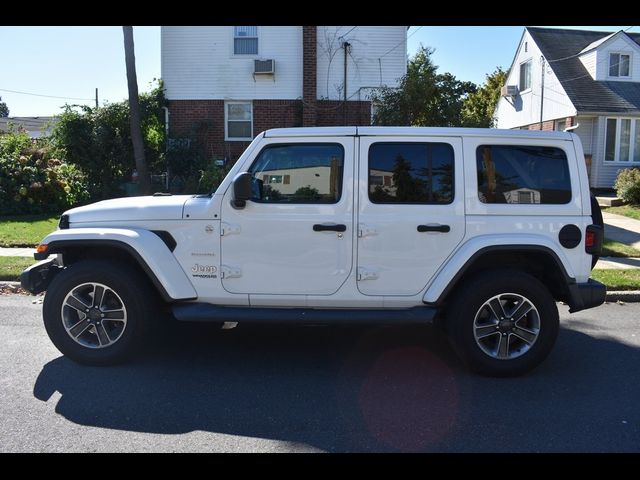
(332, 113)
(203, 121)
(546, 126)
(549, 125)
(309, 74)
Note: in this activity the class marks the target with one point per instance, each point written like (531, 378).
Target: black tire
(596, 218)
(464, 306)
(131, 290)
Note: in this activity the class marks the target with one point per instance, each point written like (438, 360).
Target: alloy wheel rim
(506, 326)
(94, 315)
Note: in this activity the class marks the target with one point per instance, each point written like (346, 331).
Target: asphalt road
(197, 388)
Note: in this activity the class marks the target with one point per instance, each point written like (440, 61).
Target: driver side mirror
(241, 190)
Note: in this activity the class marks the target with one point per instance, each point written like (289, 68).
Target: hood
(167, 207)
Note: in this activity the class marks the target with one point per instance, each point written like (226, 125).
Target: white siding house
(586, 81)
(217, 98)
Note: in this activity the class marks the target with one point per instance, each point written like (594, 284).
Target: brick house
(585, 81)
(225, 85)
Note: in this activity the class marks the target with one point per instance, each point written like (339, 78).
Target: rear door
(411, 211)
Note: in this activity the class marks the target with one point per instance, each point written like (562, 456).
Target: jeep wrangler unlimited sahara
(482, 231)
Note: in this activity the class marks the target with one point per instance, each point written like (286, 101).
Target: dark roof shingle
(586, 94)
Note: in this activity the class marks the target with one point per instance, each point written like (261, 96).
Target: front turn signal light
(42, 248)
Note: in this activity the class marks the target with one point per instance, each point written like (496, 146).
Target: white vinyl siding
(377, 57)
(618, 45)
(245, 40)
(525, 110)
(622, 142)
(238, 121)
(198, 64)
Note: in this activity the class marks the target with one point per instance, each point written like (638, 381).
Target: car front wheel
(95, 311)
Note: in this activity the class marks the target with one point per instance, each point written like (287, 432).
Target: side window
(420, 173)
(522, 174)
(245, 40)
(298, 173)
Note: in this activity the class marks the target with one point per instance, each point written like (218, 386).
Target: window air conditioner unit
(262, 67)
(509, 91)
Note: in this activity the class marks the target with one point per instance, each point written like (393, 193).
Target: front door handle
(434, 228)
(329, 228)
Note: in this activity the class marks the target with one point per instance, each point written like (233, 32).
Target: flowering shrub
(32, 180)
(628, 185)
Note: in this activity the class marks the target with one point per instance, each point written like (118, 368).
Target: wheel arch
(537, 260)
(140, 248)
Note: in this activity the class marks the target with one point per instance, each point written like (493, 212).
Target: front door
(295, 235)
(411, 211)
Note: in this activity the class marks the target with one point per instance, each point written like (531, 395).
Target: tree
(134, 107)
(424, 97)
(4, 110)
(98, 140)
(478, 108)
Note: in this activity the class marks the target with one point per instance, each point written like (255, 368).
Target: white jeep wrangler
(479, 230)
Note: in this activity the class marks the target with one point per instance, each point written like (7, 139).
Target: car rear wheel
(502, 323)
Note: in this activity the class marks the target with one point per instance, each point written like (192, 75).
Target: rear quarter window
(519, 174)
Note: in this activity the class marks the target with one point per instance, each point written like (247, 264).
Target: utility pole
(542, 64)
(346, 46)
(96, 97)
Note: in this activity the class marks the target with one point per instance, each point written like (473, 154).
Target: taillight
(593, 239)
(590, 239)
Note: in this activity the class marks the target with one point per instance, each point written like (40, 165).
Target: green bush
(98, 140)
(628, 185)
(33, 181)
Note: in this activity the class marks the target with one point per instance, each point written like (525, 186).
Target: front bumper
(586, 295)
(37, 277)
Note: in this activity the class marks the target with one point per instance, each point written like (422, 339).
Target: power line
(41, 95)
(580, 53)
(344, 35)
(403, 41)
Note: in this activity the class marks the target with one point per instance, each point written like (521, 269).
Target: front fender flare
(149, 251)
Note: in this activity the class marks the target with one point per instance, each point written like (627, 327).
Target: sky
(71, 62)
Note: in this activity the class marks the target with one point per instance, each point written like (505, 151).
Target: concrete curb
(628, 296)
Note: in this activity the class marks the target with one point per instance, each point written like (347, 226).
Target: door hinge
(227, 271)
(228, 229)
(365, 230)
(367, 274)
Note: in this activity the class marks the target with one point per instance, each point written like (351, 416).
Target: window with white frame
(619, 64)
(238, 121)
(525, 75)
(245, 40)
(622, 140)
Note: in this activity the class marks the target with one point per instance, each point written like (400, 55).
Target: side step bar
(205, 312)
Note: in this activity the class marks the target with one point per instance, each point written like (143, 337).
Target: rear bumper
(586, 295)
(37, 277)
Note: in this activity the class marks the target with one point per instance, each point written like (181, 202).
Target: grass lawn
(26, 230)
(12, 267)
(618, 279)
(611, 248)
(626, 210)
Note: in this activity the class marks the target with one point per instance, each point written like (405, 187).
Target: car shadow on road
(357, 389)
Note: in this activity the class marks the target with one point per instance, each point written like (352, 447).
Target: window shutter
(287, 179)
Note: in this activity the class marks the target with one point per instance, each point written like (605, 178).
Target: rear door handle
(329, 228)
(434, 228)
